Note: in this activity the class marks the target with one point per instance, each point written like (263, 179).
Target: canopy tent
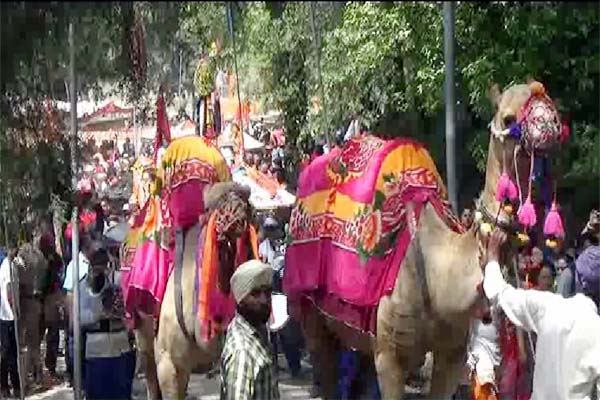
(186, 128)
(265, 192)
(108, 115)
(250, 144)
(109, 111)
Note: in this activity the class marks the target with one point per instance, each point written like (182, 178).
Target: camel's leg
(448, 368)
(144, 338)
(173, 381)
(324, 348)
(389, 375)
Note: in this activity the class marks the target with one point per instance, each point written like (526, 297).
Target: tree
(389, 58)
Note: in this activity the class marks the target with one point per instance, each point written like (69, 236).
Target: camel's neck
(501, 158)
(493, 171)
(452, 265)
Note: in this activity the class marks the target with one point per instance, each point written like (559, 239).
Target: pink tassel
(553, 225)
(506, 189)
(527, 215)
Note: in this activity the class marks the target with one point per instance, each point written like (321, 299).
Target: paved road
(200, 387)
(203, 388)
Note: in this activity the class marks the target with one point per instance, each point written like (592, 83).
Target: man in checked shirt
(247, 370)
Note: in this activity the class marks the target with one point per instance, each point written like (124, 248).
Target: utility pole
(450, 100)
(75, 221)
(180, 71)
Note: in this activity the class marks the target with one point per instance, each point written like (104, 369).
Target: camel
(437, 289)
(178, 348)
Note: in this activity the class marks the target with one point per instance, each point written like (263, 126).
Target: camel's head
(527, 117)
(525, 132)
(229, 212)
(228, 203)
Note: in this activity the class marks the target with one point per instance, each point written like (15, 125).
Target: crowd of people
(539, 340)
(508, 355)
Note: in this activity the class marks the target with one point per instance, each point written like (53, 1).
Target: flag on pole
(163, 130)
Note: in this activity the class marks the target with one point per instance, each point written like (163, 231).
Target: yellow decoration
(551, 243)
(486, 228)
(508, 208)
(523, 237)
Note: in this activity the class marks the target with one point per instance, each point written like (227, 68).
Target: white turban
(249, 276)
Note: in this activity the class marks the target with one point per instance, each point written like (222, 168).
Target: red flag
(163, 130)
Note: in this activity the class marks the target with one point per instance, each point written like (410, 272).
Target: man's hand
(497, 239)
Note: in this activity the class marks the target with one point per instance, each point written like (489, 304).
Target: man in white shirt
(84, 266)
(8, 343)
(567, 360)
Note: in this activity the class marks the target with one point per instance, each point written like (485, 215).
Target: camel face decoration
(534, 122)
(526, 130)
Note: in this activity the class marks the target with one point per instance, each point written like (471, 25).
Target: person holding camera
(106, 351)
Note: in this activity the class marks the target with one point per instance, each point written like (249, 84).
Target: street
(200, 387)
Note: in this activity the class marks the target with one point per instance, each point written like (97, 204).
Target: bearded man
(247, 370)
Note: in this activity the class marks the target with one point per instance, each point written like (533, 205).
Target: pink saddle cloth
(351, 218)
(188, 167)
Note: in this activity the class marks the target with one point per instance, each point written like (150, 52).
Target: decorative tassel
(527, 215)
(506, 189)
(553, 225)
(515, 131)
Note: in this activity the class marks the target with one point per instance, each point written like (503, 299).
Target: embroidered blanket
(351, 218)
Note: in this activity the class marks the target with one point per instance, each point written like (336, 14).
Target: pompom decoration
(486, 228)
(515, 131)
(527, 215)
(506, 189)
(551, 243)
(523, 238)
(553, 225)
(508, 208)
(537, 89)
(478, 217)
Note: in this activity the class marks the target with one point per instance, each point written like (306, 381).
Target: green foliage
(376, 59)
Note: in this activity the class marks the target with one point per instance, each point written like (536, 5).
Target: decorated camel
(192, 232)
(392, 273)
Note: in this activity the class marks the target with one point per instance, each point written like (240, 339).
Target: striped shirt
(246, 364)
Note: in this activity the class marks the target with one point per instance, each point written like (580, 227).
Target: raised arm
(524, 308)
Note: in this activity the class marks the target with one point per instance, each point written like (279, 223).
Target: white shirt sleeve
(524, 308)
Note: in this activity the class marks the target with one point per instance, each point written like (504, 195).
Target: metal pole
(75, 220)
(237, 77)
(450, 103)
(136, 145)
(317, 40)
